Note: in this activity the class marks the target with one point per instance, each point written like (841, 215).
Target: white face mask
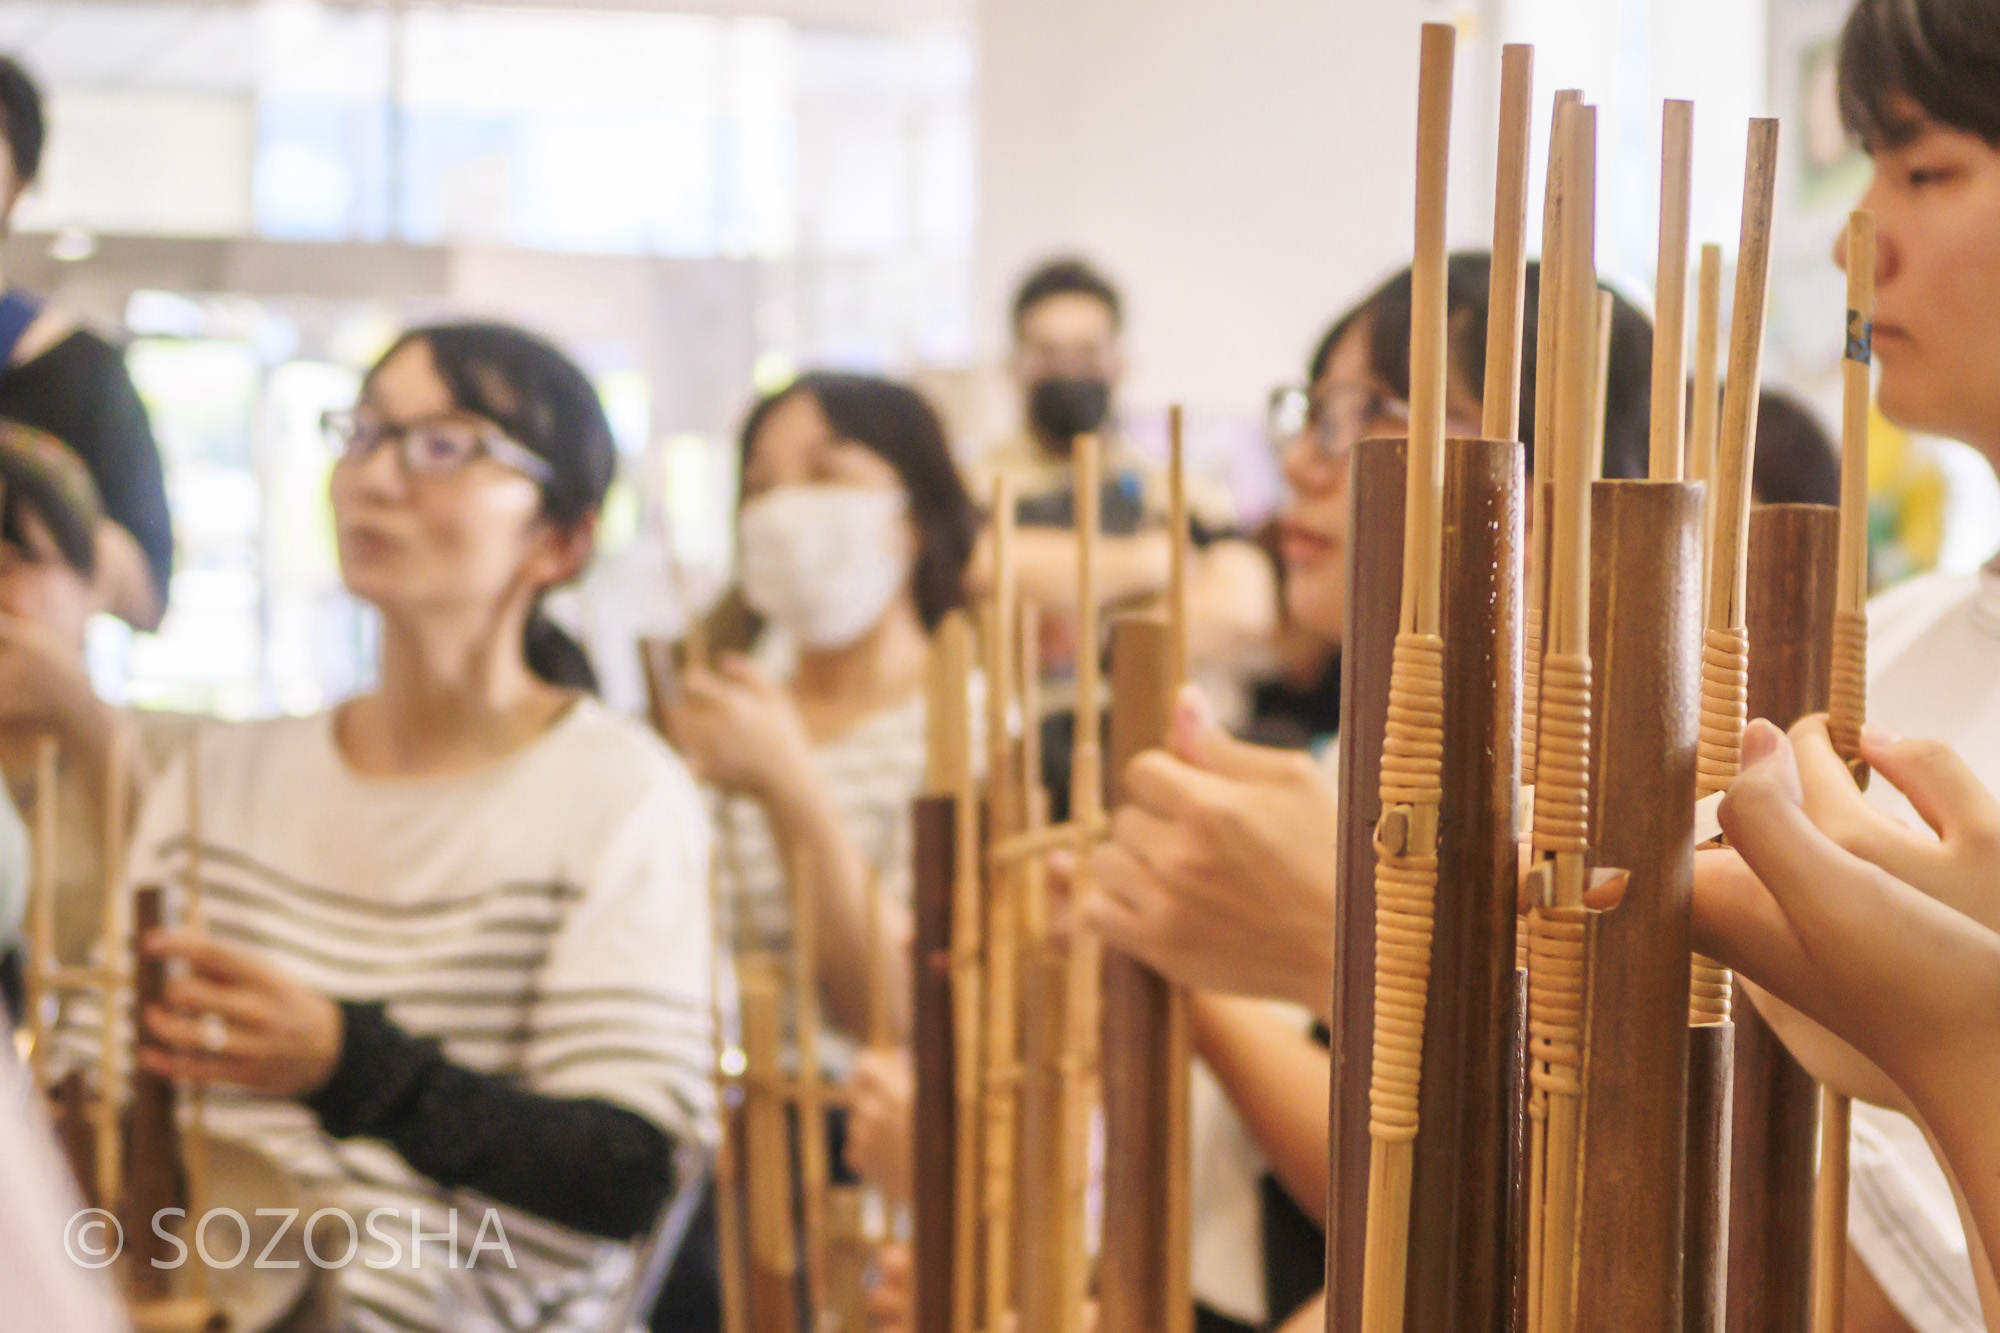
(823, 562)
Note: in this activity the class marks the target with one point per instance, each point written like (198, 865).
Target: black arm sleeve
(129, 471)
(578, 1161)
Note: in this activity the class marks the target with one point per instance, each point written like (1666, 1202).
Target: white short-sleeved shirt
(1933, 672)
(545, 918)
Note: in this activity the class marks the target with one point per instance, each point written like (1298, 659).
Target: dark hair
(43, 477)
(1468, 278)
(1068, 276)
(1941, 55)
(21, 119)
(545, 403)
(897, 423)
(1796, 461)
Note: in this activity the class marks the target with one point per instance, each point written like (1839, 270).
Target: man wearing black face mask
(1067, 362)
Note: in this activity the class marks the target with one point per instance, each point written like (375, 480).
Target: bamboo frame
(1406, 836)
(1725, 668)
(1670, 305)
(1847, 710)
(1500, 412)
(1559, 955)
(809, 1091)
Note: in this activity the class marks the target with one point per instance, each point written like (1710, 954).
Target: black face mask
(1062, 409)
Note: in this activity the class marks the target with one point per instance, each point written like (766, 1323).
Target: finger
(1117, 924)
(1739, 924)
(210, 957)
(1122, 876)
(1203, 743)
(197, 995)
(1838, 808)
(1937, 783)
(740, 670)
(1141, 836)
(202, 1068)
(1160, 783)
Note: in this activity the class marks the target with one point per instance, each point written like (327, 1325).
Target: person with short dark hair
(73, 384)
(1919, 87)
(1796, 461)
(1067, 362)
(455, 952)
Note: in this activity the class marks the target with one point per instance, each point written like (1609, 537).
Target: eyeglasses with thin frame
(1332, 422)
(434, 448)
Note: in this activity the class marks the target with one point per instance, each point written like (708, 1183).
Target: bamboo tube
(949, 735)
(42, 960)
(1406, 837)
(810, 1100)
(110, 1166)
(1558, 946)
(154, 1183)
(767, 1157)
(1035, 843)
(1085, 957)
(1547, 318)
(1500, 410)
(1177, 548)
(1847, 710)
(1725, 647)
(1670, 304)
(1002, 962)
(934, 1197)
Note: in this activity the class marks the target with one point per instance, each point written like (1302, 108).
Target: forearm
(813, 841)
(581, 1162)
(1278, 1081)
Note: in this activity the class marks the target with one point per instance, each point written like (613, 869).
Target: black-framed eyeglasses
(434, 448)
(1333, 421)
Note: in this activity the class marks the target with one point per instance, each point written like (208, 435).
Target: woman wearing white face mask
(854, 535)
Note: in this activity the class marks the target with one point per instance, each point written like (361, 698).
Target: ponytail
(554, 656)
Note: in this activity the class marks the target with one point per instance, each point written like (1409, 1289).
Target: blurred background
(700, 198)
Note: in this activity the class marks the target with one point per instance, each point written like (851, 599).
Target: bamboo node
(1711, 991)
(1562, 773)
(1725, 705)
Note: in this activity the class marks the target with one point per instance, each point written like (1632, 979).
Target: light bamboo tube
(1600, 378)
(767, 1153)
(1548, 303)
(1406, 836)
(1847, 710)
(1500, 407)
(948, 726)
(1670, 303)
(1080, 991)
(810, 1097)
(1002, 966)
(111, 977)
(1179, 1221)
(1557, 926)
(42, 960)
(1725, 657)
(1177, 544)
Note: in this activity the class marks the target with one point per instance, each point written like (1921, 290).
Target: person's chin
(1316, 599)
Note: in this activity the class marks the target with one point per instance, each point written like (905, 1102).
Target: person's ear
(564, 552)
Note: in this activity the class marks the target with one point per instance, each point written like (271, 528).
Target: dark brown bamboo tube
(1775, 1120)
(1705, 1209)
(934, 1205)
(1142, 1273)
(1646, 696)
(1460, 1273)
(153, 1177)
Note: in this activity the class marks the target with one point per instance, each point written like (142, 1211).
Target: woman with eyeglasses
(453, 971)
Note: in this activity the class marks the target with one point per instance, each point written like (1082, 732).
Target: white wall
(1243, 169)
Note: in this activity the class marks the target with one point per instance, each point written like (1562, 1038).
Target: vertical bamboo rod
(1406, 836)
(1501, 405)
(1847, 710)
(1080, 1002)
(810, 1101)
(1179, 1037)
(1177, 545)
(1725, 666)
(1707, 395)
(1600, 379)
(1670, 305)
(42, 958)
(1002, 966)
(1547, 305)
(194, 1137)
(767, 1157)
(1558, 949)
(112, 971)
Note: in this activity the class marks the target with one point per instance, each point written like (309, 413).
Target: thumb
(1937, 782)
(1200, 740)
